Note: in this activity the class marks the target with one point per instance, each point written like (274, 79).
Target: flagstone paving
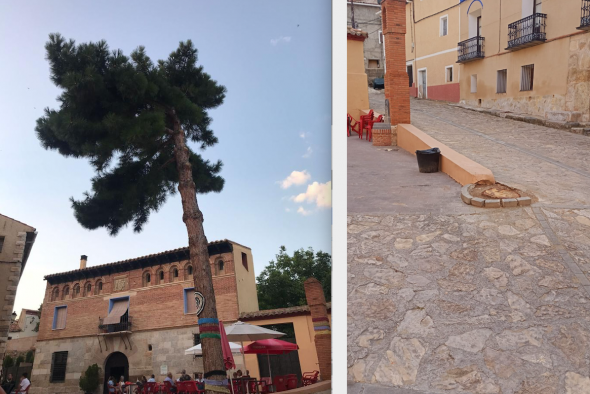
(484, 301)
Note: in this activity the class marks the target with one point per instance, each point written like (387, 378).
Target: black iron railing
(585, 21)
(471, 49)
(123, 325)
(527, 32)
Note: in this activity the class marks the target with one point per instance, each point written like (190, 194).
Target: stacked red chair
(151, 388)
(365, 119)
(280, 383)
(353, 125)
(310, 377)
(369, 126)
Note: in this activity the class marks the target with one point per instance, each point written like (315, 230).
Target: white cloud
(287, 210)
(304, 134)
(296, 178)
(308, 153)
(303, 211)
(318, 193)
(276, 41)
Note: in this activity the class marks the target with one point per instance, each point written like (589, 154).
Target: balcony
(471, 49)
(527, 32)
(585, 20)
(124, 326)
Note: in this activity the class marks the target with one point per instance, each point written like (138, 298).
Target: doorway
(422, 86)
(283, 364)
(116, 366)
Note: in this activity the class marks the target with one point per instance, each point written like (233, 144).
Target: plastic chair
(365, 119)
(27, 389)
(369, 126)
(166, 388)
(353, 125)
(291, 382)
(280, 383)
(310, 377)
(150, 388)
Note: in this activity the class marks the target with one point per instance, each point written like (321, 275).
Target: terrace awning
(119, 308)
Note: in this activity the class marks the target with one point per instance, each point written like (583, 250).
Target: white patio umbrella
(240, 332)
(236, 348)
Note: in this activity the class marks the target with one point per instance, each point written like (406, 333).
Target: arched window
(160, 276)
(220, 267)
(98, 287)
(188, 271)
(147, 279)
(88, 290)
(76, 291)
(65, 293)
(173, 274)
(55, 294)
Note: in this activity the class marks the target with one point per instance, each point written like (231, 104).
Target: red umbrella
(228, 358)
(270, 346)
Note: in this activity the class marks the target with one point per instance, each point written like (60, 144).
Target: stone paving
(487, 301)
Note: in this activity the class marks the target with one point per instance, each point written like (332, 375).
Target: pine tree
(131, 118)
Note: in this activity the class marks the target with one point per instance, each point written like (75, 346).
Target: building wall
(562, 64)
(367, 20)
(245, 280)
(151, 307)
(304, 336)
(357, 96)
(427, 50)
(21, 345)
(11, 258)
(168, 348)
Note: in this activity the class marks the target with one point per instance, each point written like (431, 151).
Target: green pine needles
(119, 112)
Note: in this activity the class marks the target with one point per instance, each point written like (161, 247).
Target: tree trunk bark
(199, 255)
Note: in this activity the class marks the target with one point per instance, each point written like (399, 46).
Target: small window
(175, 273)
(380, 37)
(245, 260)
(149, 348)
(410, 71)
(501, 81)
(59, 317)
(66, 292)
(1, 243)
(220, 267)
(161, 275)
(444, 25)
(55, 294)
(196, 339)
(98, 288)
(449, 74)
(190, 305)
(59, 360)
(76, 292)
(190, 270)
(474, 83)
(526, 77)
(374, 63)
(88, 289)
(148, 278)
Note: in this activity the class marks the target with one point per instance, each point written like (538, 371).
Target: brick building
(134, 317)
(16, 242)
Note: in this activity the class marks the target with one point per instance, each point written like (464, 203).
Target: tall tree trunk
(199, 255)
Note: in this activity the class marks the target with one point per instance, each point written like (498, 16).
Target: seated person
(171, 381)
(24, 384)
(8, 383)
(200, 381)
(152, 379)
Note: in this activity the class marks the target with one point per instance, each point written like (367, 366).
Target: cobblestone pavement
(494, 301)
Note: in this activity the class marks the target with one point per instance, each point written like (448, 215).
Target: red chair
(280, 383)
(356, 126)
(262, 386)
(310, 377)
(166, 388)
(188, 387)
(291, 382)
(27, 389)
(369, 126)
(365, 119)
(151, 388)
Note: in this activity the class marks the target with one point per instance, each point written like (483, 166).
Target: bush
(30, 357)
(8, 362)
(19, 359)
(89, 381)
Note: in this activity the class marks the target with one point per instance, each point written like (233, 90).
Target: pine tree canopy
(118, 112)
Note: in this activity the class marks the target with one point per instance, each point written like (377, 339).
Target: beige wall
(245, 280)
(357, 88)
(304, 335)
(9, 229)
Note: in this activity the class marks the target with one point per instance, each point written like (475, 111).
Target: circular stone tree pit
(495, 196)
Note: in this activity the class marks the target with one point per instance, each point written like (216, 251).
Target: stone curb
(492, 203)
(572, 127)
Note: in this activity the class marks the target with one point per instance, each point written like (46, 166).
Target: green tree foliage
(90, 380)
(117, 111)
(19, 360)
(8, 362)
(280, 285)
(30, 356)
(36, 329)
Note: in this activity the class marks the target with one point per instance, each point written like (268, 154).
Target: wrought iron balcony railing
(123, 326)
(585, 20)
(527, 32)
(471, 49)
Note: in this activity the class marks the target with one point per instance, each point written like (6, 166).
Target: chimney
(83, 260)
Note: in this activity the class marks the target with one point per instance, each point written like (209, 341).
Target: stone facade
(366, 19)
(157, 311)
(17, 240)
(167, 349)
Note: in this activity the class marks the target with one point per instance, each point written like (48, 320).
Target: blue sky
(273, 129)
